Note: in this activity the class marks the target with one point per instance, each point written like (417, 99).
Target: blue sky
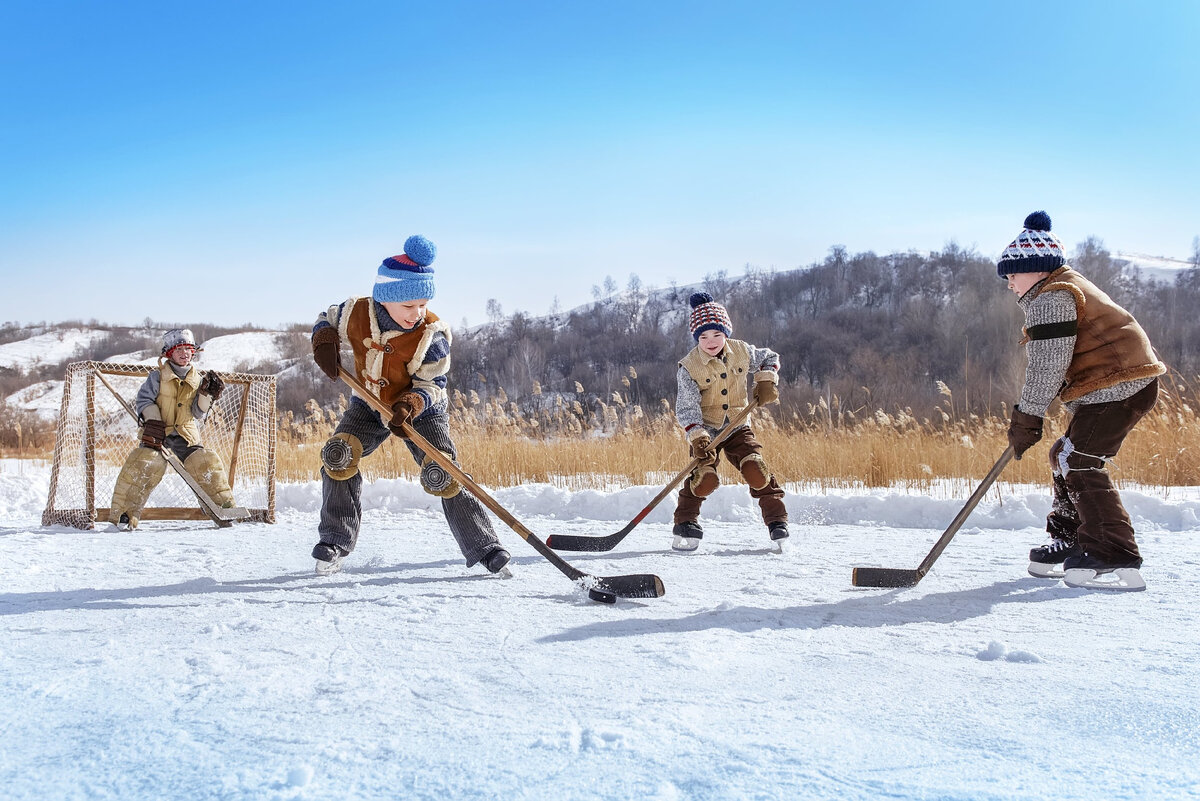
(234, 162)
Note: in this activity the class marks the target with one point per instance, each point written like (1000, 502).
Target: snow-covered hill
(188, 662)
(48, 348)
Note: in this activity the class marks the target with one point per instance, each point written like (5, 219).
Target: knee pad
(208, 470)
(341, 455)
(754, 470)
(436, 480)
(704, 481)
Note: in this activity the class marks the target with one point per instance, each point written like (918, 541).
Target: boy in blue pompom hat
(711, 383)
(1085, 349)
(401, 354)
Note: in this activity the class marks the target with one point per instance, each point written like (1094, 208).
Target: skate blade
(685, 544)
(503, 573)
(1127, 579)
(1043, 570)
(778, 545)
(328, 568)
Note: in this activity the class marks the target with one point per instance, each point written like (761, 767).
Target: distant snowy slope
(48, 348)
(1160, 268)
(234, 352)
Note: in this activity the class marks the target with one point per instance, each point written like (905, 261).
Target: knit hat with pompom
(407, 276)
(708, 315)
(1035, 250)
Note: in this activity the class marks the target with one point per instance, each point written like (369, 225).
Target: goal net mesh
(95, 435)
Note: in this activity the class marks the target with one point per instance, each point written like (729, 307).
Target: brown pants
(740, 444)
(1086, 505)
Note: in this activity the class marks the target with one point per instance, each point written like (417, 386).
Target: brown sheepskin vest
(386, 360)
(722, 380)
(1110, 346)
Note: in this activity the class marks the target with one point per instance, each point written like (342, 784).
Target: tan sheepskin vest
(387, 360)
(174, 402)
(1110, 346)
(722, 380)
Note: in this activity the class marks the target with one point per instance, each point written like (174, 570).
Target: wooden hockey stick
(600, 588)
(222, 517)
(897, 577)
(575, 542)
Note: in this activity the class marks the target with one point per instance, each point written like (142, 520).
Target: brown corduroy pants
(740, 444)
(1086, 503)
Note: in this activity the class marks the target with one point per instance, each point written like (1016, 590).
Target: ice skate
(1095, 573)
(329, 558)
(497, 563)
(686, 536)
(779, 534)
(1045, 561)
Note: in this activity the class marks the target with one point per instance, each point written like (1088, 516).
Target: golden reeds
(585, 441)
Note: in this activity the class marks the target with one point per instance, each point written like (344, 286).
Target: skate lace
(1057, 546)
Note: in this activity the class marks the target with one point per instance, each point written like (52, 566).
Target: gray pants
(341, 507)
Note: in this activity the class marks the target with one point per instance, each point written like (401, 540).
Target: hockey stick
(896, 577)
(600, 588)
(222, 517)
(574, 542)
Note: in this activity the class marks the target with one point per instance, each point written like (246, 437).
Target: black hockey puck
(603, 596)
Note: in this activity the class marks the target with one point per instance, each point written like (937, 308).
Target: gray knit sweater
(1048, 359)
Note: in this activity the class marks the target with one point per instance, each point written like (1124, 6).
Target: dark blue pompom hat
(1035, 250)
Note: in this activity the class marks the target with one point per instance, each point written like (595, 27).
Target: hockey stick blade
(637, 585)
(578, 542)
(884, 577)
(892, 577)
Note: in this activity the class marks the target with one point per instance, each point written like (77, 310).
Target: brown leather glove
(325, 343)
(211, 385)
(406, 407)
(766, 392)
(153, 434)
(698, 448)
(1023, 431)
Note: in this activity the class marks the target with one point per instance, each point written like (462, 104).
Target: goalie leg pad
(437, 481)
(208, 470)
(704, 481)
(341, 455)
(140, 474)
(754, 470)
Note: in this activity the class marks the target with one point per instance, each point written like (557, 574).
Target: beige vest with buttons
(722, 380)
(174, 402)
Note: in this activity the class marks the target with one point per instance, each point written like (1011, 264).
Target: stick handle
(965, 512)
(446, 464)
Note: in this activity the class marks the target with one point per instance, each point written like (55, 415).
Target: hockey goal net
(96, 433)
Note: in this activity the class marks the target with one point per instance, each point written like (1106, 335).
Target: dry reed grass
(590, 443)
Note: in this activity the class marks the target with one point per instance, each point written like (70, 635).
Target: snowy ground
(187, 662)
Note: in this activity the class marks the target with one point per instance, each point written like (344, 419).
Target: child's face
(711, 342)
(182, 354)
(1020, 283)
(407, 312)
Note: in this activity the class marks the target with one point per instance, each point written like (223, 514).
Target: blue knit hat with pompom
(1035, 250)
(407, 276)
(708, 315)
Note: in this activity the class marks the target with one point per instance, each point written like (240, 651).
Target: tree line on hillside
(878, 331)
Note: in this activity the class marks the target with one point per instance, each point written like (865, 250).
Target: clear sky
(255, 161)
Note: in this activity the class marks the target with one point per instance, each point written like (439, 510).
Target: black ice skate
(497, 562)
(687, 536)
(778, 531)
(1045, 561)
(329, 558)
